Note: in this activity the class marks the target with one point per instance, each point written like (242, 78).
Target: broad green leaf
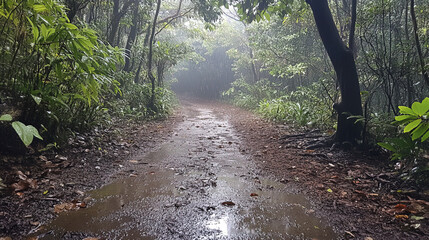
(34, 29)
(23, 133)
(39, 7)
(34, 131)
(420, 108)
(412, 125)
(70, 26)
(405, 117)
(419, 131)
(44, 31)
(406, 110)
(6, 118)
(387, 146)
(426, 136)
(37, 99)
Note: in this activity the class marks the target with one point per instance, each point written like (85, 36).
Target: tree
(340, 55)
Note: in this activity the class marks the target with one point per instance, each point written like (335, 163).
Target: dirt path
(213, 172)
(197, 185)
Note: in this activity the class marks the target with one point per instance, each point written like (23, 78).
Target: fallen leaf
(349, 234)
(401, 216)
(63, 207)
(329, 190)
(20, 186)
(134, 161)
(81, 204)
(21, 175)
(368, 238)
(417, 218)
(228, 203)
(254, 195)
(35, 223)
(415, 226)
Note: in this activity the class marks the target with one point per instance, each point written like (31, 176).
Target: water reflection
(220, 224)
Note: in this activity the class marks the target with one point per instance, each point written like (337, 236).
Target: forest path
(199, 184)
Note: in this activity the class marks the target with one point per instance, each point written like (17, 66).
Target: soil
(352, 192)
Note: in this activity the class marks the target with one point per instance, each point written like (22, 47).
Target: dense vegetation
(282, 70)
(69, 65)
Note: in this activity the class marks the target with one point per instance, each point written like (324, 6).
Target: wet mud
(199, 184)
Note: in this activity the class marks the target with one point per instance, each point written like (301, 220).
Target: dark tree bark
(145, 43)
(131, 37)
(418, 46)
(345, 68)
(116, 18)
(150, 56)
(74, 6)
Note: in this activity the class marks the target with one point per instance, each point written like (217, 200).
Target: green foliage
(248, 95)
(135, 99)
(401, 147)
(415, 119)
(302, 107)
(406, 148)
(25, 132)
(58, 73)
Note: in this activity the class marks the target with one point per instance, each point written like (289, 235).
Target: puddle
(179, 191)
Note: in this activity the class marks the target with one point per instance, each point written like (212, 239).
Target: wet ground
(210, 171)
(199, 184)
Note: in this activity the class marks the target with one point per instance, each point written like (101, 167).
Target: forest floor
(211, 171)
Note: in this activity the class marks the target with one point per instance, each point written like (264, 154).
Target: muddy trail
(199, 184)
(211, 171)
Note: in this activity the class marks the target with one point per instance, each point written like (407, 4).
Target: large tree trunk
(418, 45)
(345, 68)
(116, 18)
(150, 56)
(131, 38)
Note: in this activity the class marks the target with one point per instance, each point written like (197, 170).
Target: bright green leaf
(419, 131)
(6, 117)
(37, 99)
(426, 136)
(420, 108)
(405, 117)
(23, 133)
(34, 131)
(70, 26)
(412, 125)
(39, 7)
(329, 190)
(406, 110)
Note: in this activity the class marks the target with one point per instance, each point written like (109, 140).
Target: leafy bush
(246, 95)
(302, 107)
(55, 72)
(135, 98)
(410, 148)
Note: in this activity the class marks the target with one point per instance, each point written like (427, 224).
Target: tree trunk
(114, 23)
(345, 68)
(150, 56)
(116, 18)
(419, 48)
(131, 38)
